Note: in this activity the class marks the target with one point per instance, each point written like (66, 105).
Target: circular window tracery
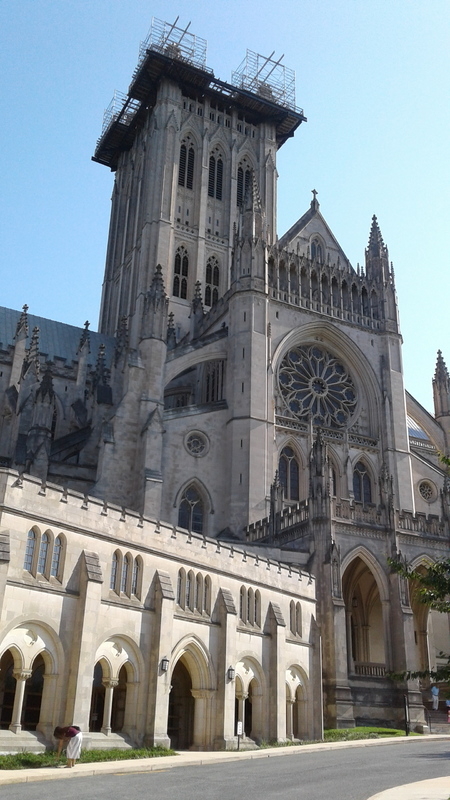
(196, 443)
(313, 383)
(427, 491)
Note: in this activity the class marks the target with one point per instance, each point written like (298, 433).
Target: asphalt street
(350, 774)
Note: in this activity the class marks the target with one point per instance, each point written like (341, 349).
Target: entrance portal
(180, 723)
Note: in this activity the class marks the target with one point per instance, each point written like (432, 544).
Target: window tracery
(215, 176)
(313, 383)
(186, 164)
(190, 512)
(212, 281)
(362, 485)
(288, 472)
(181, 273)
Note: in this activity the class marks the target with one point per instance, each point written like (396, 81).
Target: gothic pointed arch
(194, 503)
(363, 594)
(363, 481)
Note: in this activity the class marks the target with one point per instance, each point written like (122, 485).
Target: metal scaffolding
(266, 77)
(168, 39)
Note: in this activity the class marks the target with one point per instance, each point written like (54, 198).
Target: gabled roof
(56, 339)
(313, 213)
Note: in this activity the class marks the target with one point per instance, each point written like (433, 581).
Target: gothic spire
(171, 333)
(377, 256)
(22, 325)
(84, 338)
(441, 388)
(32, 358)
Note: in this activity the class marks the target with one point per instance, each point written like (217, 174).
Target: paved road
(347, 774)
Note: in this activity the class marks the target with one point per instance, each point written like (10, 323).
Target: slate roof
(56, 339)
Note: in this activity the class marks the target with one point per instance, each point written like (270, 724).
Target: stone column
(290, 718)
(241, 698)
(350, 662)
(107, 708)
(46, 719)
(21, 678)
(202, 717)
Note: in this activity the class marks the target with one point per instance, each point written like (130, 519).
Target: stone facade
(239, 422)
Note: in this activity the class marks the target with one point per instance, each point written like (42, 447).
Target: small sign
(239, 729)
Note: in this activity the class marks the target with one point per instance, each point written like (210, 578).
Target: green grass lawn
(30, 760)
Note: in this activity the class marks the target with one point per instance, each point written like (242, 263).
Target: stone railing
(370, 669)
(290, 524)
(430, 525)
(352, 511)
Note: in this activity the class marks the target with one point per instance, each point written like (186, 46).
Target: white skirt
(74, 746)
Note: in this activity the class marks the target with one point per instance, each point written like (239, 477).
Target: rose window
(315, 384)
(196, 443)
(427, 491)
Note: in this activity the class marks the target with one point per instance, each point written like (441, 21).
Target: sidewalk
(436, 789)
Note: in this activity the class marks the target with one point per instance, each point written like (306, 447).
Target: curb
(193, 759)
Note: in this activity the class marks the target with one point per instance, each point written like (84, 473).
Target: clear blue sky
(372, 78)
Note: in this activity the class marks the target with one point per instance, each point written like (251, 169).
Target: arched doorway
(365, 624)
(7, 689)
(249, 699)
(296, 705)
(180, 722)
(119, 702)
(97, 700)
(33, 695)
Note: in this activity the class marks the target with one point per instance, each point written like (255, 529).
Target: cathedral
(199, 500)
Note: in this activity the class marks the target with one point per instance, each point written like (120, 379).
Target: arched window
(56, 557)
(199, 593)
(244, 183)
(136, 577)
(243, 604)
(257, 609)
(250, 606)
(43, 551)
(181, 273)
(29, 552)
(212, 280)
(186, 165)
(292, 617)
(288, 472)
(215, 176)
(181, 585)
(190, 513)
(125, 573)
(114, 568)
(316, 251)
(362, 488)
(298, 619)
(207, 595)
(190, 588)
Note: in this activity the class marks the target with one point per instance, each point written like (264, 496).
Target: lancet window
(43, 555)
(362, 486)
(215, 176)
(186, 165)
(244, 182)
(212, 281)
(191, 510)
(288, 472)
(181, 273)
